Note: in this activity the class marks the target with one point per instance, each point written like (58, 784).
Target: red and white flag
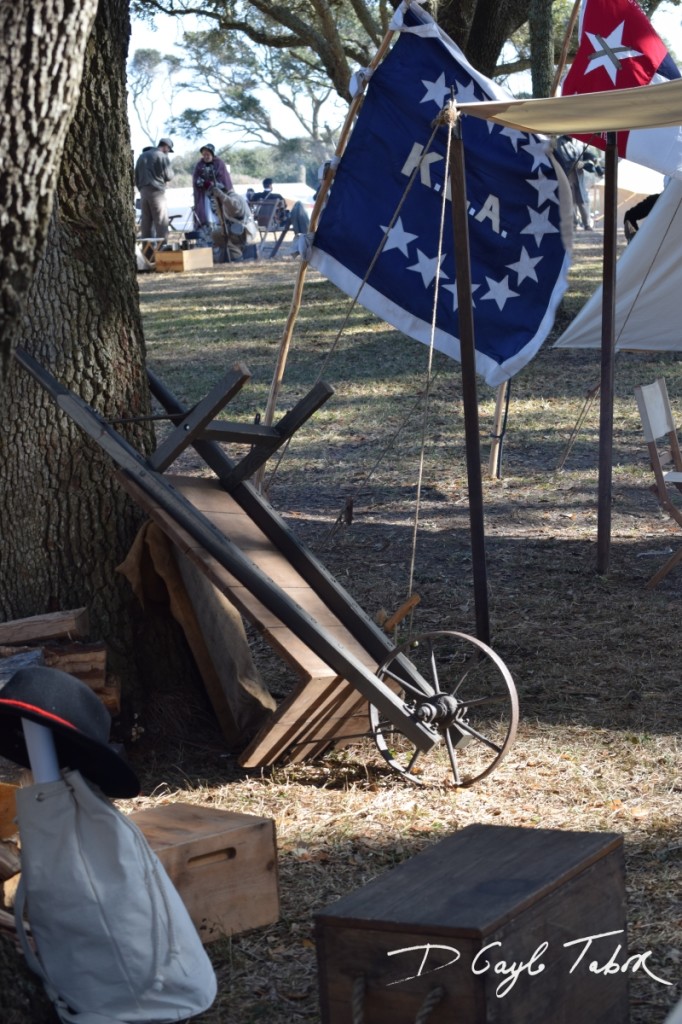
(619, 49)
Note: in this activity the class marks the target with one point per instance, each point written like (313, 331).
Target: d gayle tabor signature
(488, 960)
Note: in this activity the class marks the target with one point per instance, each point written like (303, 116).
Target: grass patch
(594, 658)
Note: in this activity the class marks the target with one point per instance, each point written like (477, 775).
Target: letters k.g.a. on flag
(619, 49)
(519, 260)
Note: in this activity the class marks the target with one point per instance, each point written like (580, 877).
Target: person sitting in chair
(296, 218)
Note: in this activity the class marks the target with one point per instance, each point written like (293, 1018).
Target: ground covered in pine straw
(596, 659)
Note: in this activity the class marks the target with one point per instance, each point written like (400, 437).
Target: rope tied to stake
(448, 115)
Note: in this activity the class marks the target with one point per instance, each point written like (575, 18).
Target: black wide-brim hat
(79, 722)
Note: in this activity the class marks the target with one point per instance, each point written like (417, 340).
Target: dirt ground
(594, 656)
(376, 485)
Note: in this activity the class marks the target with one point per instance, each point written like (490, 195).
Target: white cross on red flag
(620, 49)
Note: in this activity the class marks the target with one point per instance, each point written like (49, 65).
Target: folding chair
(268, 215)
(658, 423)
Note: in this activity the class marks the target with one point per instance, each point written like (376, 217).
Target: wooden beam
(45, 627)
(161, 493)
(287, 426)
(338, 600)
(240, 433)
(202, 414)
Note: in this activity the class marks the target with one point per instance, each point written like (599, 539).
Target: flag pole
(460, 229)
(294, 309)
(608, 332)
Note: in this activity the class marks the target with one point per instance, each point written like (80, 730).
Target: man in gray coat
(153, 171)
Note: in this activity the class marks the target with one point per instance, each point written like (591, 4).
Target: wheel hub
(445, 712)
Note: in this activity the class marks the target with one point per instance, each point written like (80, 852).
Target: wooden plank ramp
(323, 710)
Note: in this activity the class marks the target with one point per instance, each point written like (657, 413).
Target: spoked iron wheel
(465, 692)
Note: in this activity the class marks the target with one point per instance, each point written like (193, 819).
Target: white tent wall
(648, 287)
(634, 184)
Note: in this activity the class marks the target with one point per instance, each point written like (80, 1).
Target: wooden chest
(224, 865)
(184, 259)
(489, 925)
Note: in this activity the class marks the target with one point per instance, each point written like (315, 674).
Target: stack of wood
(10, 862)
(56, 640)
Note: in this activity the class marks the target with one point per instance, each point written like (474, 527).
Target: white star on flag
(466, 93)
(539, 225)
(455, 299)
(500, 291)
(398, 237)
(525, 266)
(547, 188)
(538, 150)
(436, 91)
(514, 136)
(428, 267)
(609, 52)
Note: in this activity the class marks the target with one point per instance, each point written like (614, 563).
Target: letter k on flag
(619, 49)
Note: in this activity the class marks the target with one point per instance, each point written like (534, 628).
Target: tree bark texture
(492, 23)
(67, 524)
(43, 47)
(542, 47)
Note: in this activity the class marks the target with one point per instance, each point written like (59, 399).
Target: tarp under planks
(212, 626)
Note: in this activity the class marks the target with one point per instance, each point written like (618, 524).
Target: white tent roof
(648, 287)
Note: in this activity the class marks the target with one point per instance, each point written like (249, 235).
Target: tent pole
(460, 229)
(607, 355)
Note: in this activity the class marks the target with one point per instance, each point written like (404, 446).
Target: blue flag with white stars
(515, 198)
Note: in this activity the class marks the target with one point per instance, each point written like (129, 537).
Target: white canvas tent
(648, 287)
(634, 184)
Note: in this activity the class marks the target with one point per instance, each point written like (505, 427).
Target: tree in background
(294, 160)
(231, 71)
(344, 36)
(144, 70)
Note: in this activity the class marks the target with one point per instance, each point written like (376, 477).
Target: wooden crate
(224, 865)
(485, 895)
(184, 259)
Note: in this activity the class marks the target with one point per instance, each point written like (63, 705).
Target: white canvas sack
(114, 941)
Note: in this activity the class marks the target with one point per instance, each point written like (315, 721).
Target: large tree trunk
(43, 43)
(492, 23)
(66, 522)
(542, 47)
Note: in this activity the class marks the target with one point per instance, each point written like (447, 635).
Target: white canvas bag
(114, 941)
